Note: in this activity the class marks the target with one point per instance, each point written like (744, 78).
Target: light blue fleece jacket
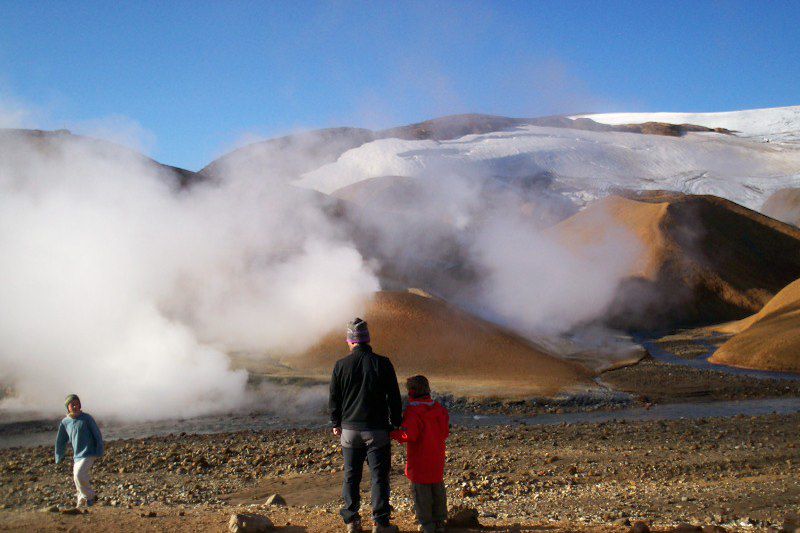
(83, 433)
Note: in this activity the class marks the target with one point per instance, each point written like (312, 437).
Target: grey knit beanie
(357, 331)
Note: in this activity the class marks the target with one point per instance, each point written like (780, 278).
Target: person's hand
(337, 432)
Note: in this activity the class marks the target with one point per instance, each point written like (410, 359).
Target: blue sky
(190, 80)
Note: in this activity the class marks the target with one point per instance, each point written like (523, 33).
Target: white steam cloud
(492, 245)
(122, 287)
(119, 287)
(539, 283)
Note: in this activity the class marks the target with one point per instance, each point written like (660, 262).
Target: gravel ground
(740, 472)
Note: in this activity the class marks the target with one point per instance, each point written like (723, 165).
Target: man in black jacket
(365, 406)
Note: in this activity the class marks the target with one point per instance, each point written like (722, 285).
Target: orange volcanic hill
(704, 259)
(768, 340)
(784, 205)
(457, 351)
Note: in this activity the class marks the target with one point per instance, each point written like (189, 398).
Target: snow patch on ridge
(779, 124)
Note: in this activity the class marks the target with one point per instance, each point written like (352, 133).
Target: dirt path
(207, 519)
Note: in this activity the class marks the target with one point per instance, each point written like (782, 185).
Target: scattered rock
(687, 528)
(624, 521)
(50, 509)
(249, 523)
(640, 527)
(276, 499)
(149, 514)
(791, 523)
(463, 517)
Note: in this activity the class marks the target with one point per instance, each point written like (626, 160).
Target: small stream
(702, 363)
(669, 411)
(42, 432)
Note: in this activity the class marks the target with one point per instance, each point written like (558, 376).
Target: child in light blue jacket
(80, 429)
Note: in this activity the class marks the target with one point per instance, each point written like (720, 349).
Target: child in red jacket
(426, 425)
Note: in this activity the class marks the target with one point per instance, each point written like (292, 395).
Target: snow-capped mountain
(780, 124)
(587, 164)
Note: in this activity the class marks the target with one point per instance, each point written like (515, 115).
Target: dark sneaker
(377, 528)
(91, 502)
(354, 527)
(441, 527)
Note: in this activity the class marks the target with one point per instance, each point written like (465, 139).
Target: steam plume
(118, 287)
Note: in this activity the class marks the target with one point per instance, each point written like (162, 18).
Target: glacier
(745, 167)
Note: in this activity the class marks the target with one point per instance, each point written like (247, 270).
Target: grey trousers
(430, 504)
(374, 447)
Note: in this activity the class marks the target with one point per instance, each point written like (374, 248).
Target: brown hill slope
(705, 260)
(768, 340)
(457, 351)
(454, 126)
(784, 205)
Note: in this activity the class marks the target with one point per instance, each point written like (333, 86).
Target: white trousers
(80, 473)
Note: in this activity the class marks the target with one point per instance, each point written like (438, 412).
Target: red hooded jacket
(426, 425)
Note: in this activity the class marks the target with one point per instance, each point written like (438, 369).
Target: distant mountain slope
(705, 259)
(771, 124)
(768, 340)
(14, 144)
(452, 127)
(453, 348)
(289, 156)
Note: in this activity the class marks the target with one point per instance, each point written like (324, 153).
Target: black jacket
(364, 392)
